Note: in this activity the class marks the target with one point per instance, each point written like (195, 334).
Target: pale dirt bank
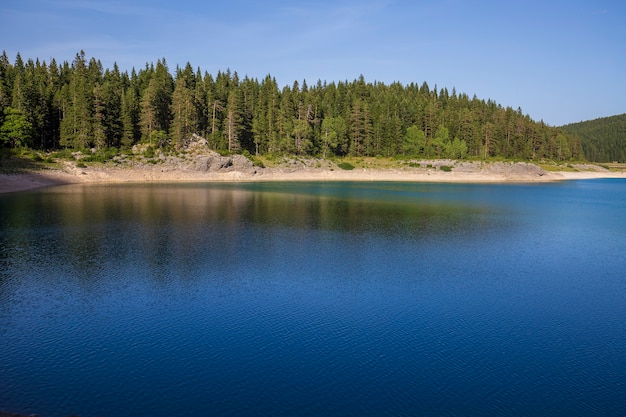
(425, 171)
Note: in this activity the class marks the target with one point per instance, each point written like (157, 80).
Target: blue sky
(560, 61)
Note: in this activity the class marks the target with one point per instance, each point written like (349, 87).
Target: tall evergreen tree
(128, 115)
(6, 87)
(77, 122)
(264, 119)
(156, 101)
(200, 103)
(234, 119)
(99, 122)
(112, 88)
(148, 112)
(183, 108)
(360, 128)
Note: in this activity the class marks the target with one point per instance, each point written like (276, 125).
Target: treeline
(603, 139)
(82, 105)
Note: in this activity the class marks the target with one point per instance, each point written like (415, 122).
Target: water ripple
(440, 302)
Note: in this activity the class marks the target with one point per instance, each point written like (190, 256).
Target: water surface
(314, 299)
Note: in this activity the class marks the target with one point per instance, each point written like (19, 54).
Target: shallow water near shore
(314, 299)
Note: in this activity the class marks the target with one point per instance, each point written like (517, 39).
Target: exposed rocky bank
(197, 163)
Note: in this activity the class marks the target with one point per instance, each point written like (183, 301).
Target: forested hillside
(83, 105)
(602, 140)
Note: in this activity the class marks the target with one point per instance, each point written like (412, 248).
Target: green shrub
(346, 166)
(111, 153)
(445, 168)
(80, 164)
(62, 154)
(149, 152)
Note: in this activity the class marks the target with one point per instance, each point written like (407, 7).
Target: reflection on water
(87, 227)
(314, 299)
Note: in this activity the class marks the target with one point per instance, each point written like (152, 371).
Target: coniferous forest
(603, 139)
(80, 104)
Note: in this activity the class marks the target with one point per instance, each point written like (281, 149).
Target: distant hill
(603, 139)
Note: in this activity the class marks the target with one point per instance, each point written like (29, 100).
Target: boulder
(217, 163)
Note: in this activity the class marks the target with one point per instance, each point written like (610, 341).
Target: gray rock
(217, 163)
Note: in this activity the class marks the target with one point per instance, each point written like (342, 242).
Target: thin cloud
(112, 7)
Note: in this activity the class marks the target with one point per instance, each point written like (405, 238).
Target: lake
(314, 299)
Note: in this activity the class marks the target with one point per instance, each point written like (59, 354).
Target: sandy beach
(461, 172)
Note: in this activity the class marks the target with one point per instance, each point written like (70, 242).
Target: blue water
(314, 299)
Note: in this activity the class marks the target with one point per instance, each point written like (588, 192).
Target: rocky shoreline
(203, 165)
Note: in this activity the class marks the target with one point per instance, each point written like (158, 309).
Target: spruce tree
(148, 111)
(129, 114)
(99, 128)
(111, 90)
(5, 86)
(233, 120)
(200, 104)
(77, 122)
(360, 128)
(185, 118)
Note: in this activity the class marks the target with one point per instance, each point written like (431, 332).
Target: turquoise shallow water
(314, 299)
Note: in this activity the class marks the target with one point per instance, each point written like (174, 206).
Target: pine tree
(99, 128)
(200, 102)
(303, 119)
(360, 128)
(489, 139)
(156, 101)
(128, 110)
(233, 120)
(148, 111)
(183, 108)
(213, 112)
(18, 97)
(112, 87)
(287, 114)
(130, 129)
(34, 104)
(76, 126)
(5, 87)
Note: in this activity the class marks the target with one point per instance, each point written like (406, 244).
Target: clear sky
(561, 61)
